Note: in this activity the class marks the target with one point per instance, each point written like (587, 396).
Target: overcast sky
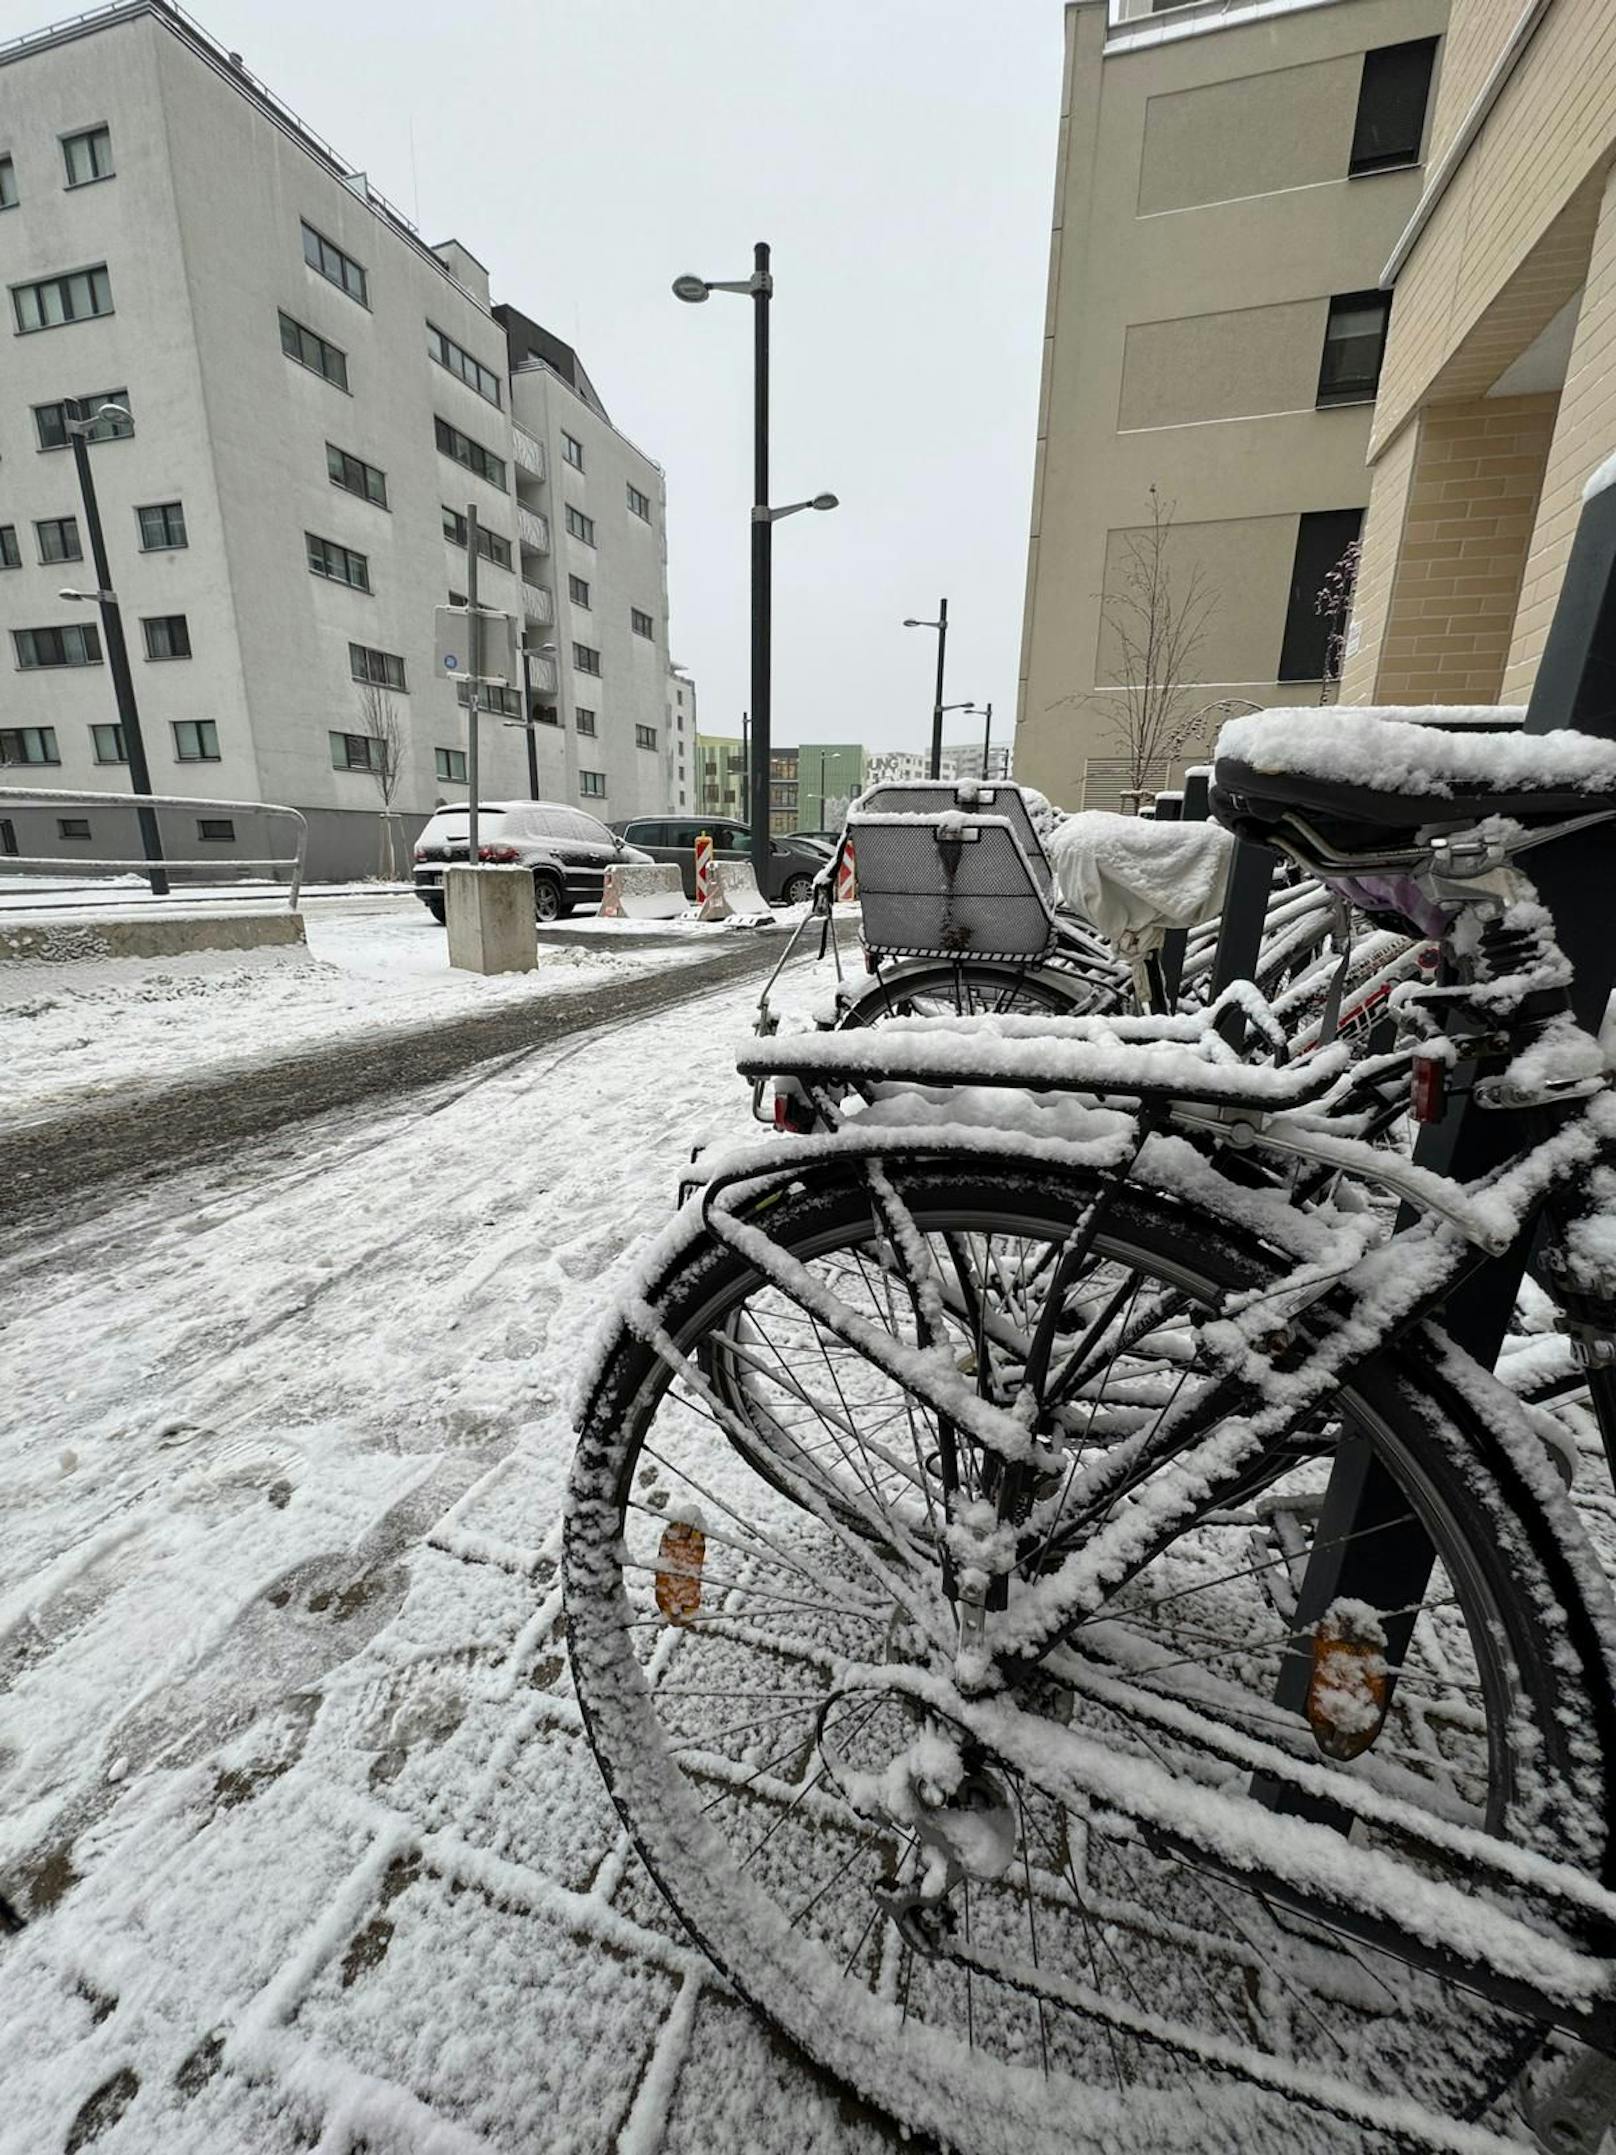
(897, 154)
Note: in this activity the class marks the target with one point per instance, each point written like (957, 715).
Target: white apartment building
(315, 396)
(682, 772)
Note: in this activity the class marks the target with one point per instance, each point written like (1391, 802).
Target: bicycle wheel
(974, 988)
(716, 1610)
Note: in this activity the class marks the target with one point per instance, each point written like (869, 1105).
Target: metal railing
(68, 864)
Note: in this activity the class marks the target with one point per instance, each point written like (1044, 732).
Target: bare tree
(384, 729)
(1159, 621)
(1334, 601)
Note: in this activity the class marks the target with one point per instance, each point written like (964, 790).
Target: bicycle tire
(1560, 1706)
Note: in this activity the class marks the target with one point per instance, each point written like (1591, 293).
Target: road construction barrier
(846, 875)
(732, 890)
(704, 868)
(643, 890)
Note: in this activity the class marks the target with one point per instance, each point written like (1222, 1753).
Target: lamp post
(123, 682)
(941, 626)
(938, 716)
(987, 740)
(759, 287)
(528, 656)
(746, 770)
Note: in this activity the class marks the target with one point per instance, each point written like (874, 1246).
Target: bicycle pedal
(1568, 2101)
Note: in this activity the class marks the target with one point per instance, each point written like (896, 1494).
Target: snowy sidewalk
(292, 1788)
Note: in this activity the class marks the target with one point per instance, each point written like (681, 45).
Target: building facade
(1498, 398)
(682, 723)
(830, 777)
(309, 398)
(1231, 178)
(722, 775)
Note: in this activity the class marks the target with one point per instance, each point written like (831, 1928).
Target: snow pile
(1382, 750)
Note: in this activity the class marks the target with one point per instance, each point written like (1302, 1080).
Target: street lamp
(79, 429)
(528, 656)
(941, 626)
(759, 287)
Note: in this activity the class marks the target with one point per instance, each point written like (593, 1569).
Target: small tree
(1159, 622)
(1334, 602)
(384, 729)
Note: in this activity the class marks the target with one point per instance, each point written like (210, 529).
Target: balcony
(532, 530)
(536, 603)
(541, 674)
(529, 452)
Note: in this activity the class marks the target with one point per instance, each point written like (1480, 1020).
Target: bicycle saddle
(1368, 782)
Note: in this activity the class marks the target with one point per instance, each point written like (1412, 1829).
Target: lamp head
(693, 289)
(112, 411)
(824, 501)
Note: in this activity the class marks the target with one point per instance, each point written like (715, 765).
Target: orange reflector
(683, 1550)
(1347, 1693)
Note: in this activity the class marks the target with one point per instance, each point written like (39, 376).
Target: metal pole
(474, 626)
(937, 703)
(123, 681)
(820, 825)
(746, 771)
(532, 737)
(987, 745)
(762, 563)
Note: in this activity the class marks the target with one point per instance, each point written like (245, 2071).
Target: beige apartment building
(1232, 178)
(1498, 396)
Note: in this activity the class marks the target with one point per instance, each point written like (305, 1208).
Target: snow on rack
(1382, 750)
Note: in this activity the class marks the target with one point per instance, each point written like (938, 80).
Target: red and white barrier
(704, 867)
(846, 875)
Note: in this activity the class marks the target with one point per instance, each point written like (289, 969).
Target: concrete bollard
(489, 916)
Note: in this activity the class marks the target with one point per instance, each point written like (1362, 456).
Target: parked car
(568, 850)
(793, 861)
(826, 841)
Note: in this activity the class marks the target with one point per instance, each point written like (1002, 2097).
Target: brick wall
(1377, 566)
(1584, 436)
(1552, 131)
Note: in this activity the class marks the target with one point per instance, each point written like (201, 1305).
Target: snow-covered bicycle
(1082, 1639)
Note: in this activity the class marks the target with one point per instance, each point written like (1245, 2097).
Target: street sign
(501, 661)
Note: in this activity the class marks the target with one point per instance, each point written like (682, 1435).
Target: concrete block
(489, 916)
(63, 938)
(737, 880)
(640, 890)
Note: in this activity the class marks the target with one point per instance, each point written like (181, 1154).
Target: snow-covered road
(292, 1789)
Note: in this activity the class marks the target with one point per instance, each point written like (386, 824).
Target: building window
(546, 714)
(451, 764)
(87, 156)
(1322, 537)
(580, 526)
(1392, 95)
(167, 636)
(572, 450)
(79, 645)
(337, 564)
(216, 830)
(10, 553)
(1354, 345)
(592, 785)
(311, 350)
(645, 737)
(452, 443)
(459, 361)
(162, 526)
(77, 297)
(8, 184)
(107, 744)
(50, 420)
(640, 622)
(638, 502)
(489, 543)
(334, 266)
(28, 744)
(58, 538)
(585, 658)
(196, 740)
(355, 476)
(578, 591)
(504, 702)
(72, 826)
(584, 720)
(358, 752)
(376, 669)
